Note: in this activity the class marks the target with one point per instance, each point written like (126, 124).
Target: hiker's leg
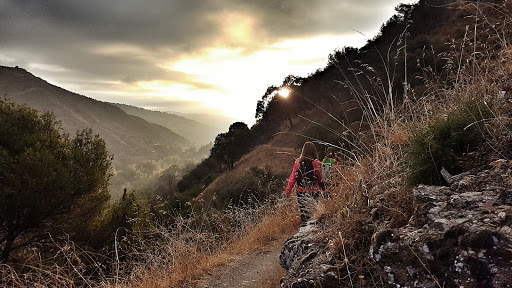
(304, 207)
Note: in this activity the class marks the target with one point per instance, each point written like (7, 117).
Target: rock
(459, 237)
(308, 260)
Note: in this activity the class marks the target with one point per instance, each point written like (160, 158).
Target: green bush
(444, 141)
(50, 183)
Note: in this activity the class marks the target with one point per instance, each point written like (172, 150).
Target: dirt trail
(260, 270)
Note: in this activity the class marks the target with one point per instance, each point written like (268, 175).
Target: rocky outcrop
(308, 260)
(459, 236)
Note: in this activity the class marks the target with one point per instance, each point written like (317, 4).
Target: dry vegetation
(370, 190)
(188, 255)
(171, 256)
(275, 160)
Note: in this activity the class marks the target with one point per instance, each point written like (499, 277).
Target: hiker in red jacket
(307, 174)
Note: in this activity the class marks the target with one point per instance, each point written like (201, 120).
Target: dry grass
(172, 256)
(277, 160)
(278, 223)
(187, 253)
(369, 191)
(192, 262)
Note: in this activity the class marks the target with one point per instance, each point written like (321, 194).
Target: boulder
(308, 260)
(459, 236)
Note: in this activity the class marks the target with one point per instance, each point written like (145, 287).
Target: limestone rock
(308, 260)
(460, 236)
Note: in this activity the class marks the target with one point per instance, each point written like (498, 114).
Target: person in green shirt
(328, 166)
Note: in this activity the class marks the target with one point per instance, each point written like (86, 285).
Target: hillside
(394, 217)
(194, 131)
(271, 159)
(131, 139)
(218, 121)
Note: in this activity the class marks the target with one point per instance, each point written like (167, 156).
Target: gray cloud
(174, 24)
(299, 18)
(68, 33)
(178, 25)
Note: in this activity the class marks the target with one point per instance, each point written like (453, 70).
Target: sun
(284, 92)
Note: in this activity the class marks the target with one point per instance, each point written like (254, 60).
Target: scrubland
(460, 120)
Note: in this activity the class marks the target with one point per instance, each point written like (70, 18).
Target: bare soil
(260, 270)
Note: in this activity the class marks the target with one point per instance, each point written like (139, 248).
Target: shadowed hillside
(378, 227)
(271, 160)
(194, 131)
(130, 138)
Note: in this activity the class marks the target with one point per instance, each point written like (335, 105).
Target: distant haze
(218, 121)
(212, 56)
(131, 139)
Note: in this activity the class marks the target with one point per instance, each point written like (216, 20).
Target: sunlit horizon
(223, 65)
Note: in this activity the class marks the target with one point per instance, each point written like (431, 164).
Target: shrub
(50, 183)
(445, 141)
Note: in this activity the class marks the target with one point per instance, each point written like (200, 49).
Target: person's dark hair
(309, 152)
(331, 151)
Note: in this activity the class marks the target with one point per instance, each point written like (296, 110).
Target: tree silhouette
(230, 146)
(45, 175)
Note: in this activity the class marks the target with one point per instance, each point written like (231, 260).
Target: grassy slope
(277, 160)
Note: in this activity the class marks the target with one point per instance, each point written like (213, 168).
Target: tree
(46, 176)
(229, 147)
(201, 175)
(261, 105)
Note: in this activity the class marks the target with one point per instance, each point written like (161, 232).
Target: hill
(131, 139)
(219, 121)
(338, 105)
(271, 159)
(192, 130)
(379, 228)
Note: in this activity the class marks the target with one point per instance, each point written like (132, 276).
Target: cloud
(46, 67)
(286, 19)
(163, 29)
(97, 46)
(182, 26)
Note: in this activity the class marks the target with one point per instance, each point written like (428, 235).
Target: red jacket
(317, 165)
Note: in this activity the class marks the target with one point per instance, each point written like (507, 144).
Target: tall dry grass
(370, 191)
(171, 255)
(253, 229)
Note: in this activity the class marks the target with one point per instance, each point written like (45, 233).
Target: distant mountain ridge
(192, 130)
(130, 138)
(220, 121)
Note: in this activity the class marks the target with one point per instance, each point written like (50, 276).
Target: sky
(189, 56)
